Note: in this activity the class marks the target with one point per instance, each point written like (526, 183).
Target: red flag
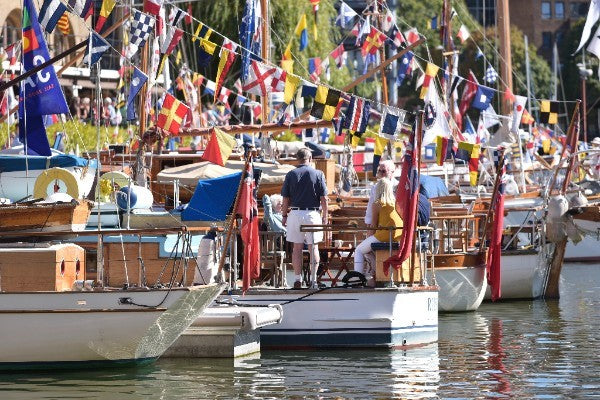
(188, 16)
(225, 63)
(248, 209)
(468, 93)
(407, 199)
(495, 250)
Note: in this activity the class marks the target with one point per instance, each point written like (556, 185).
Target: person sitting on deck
(384, 215)
(273, 216)
(386, 169)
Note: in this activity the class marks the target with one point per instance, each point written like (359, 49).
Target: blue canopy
(9, 163)
(432, 186)
(212, 199)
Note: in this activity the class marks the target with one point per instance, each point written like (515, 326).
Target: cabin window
(77, 267)
(546, 40)
(559, 10)
(546, 10)
(62, 268)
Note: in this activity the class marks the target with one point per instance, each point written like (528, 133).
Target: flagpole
(417, 155)
(264, 5)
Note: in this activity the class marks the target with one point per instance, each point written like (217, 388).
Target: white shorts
(297, 218)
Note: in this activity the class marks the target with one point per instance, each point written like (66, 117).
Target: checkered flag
(141, 26)
(490, 75)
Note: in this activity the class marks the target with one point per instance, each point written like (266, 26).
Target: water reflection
(519, 349)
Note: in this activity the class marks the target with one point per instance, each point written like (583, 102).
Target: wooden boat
(459, 267)
(51, 317)
(45, 217)
(587, 222)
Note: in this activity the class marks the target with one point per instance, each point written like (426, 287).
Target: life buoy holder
(50, 176)
(109, 183)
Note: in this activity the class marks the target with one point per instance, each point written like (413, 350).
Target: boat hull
(523, 274)
(45, 217)
(462, 287)
(350, 317)
(588, 250)
(75, 329)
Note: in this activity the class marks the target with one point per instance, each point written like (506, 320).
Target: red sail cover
(248, 209)
(407, 199)
(495, 249)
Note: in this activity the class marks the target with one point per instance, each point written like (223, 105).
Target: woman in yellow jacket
(384, 215)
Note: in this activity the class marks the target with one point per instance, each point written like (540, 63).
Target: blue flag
(248, 35)
(41, 93)
(404, 67)
(97, 46)
(469, 128)
(483, 98)
(50, 13)
(137, 81)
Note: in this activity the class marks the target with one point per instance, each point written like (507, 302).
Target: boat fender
(50, 177)
(555, 222)
(206, 260)
(109, 183)
(134, 197)
(354, 279)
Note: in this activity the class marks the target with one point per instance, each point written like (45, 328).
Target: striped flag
(219, 147)
(81, 7)
(430, 72)
(357, 115)
(339, 55)
(63, 24)
(50, 13)
(105, 10)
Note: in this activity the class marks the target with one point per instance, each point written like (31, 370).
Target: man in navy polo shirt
(304, 192)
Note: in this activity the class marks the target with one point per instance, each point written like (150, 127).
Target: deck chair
(272, 258)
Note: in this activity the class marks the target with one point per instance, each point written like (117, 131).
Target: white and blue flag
(137, 81)
(97, 46)
(50, 13)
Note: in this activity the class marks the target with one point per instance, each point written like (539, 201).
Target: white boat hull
(523, 274)
(350, 317)
(17, 185)
(71, 329)
(461, 288)
(588, 250)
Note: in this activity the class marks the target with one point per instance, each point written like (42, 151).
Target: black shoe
(297, 285)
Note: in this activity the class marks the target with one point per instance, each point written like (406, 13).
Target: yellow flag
(288, 66)
(380, 143)
(291, 84)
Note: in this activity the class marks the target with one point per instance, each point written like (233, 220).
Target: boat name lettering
(432, 304)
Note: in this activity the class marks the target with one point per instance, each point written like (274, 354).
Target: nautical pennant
(441, 149)
(219, 147)
(314, 68)
(259, 79)
(404, 67)
(325, 105)
(474, 150)
(171, 114)
(206, 47)
(483, 97)
(153, 7)
(278, 81)
(391, 123)
(365, 29)
(389, 20)
(301, 32)
(172, 37)
(357, 115)
(430, 72)
(63, 24)
(176, 15)
(490, 75)
(81, 7)
(105, 10)
(225, 63)
(50, 14)
(518, 109)
(140, 29)
(373, 42)
(97, 46)
(468, 93)
(463, 34)
(549, 111)
(339, 55)
(436, 117)
(397, 37)
(345, 16)
(137, 82)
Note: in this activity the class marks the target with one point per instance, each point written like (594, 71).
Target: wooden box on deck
(53, 268)
(401, 275)
(327, 165)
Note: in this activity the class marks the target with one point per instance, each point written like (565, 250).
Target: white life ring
(108, 183)
(49, 176)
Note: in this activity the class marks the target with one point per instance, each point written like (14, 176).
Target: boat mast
(503, 20)
(527, 72)
(264, 53)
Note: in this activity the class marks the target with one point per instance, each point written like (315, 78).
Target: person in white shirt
(386, 170)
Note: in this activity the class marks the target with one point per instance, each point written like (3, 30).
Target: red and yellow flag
(171, 114)
(105, 10)
(441, 148)
(225, 63)
(430, 73)
(219, 147)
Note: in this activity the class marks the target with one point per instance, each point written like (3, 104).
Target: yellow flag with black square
(325, 104)
(549, 112)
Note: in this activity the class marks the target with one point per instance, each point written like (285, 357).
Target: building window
(546, 10)
(559, 10)
(579, 10)
(546, 40)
